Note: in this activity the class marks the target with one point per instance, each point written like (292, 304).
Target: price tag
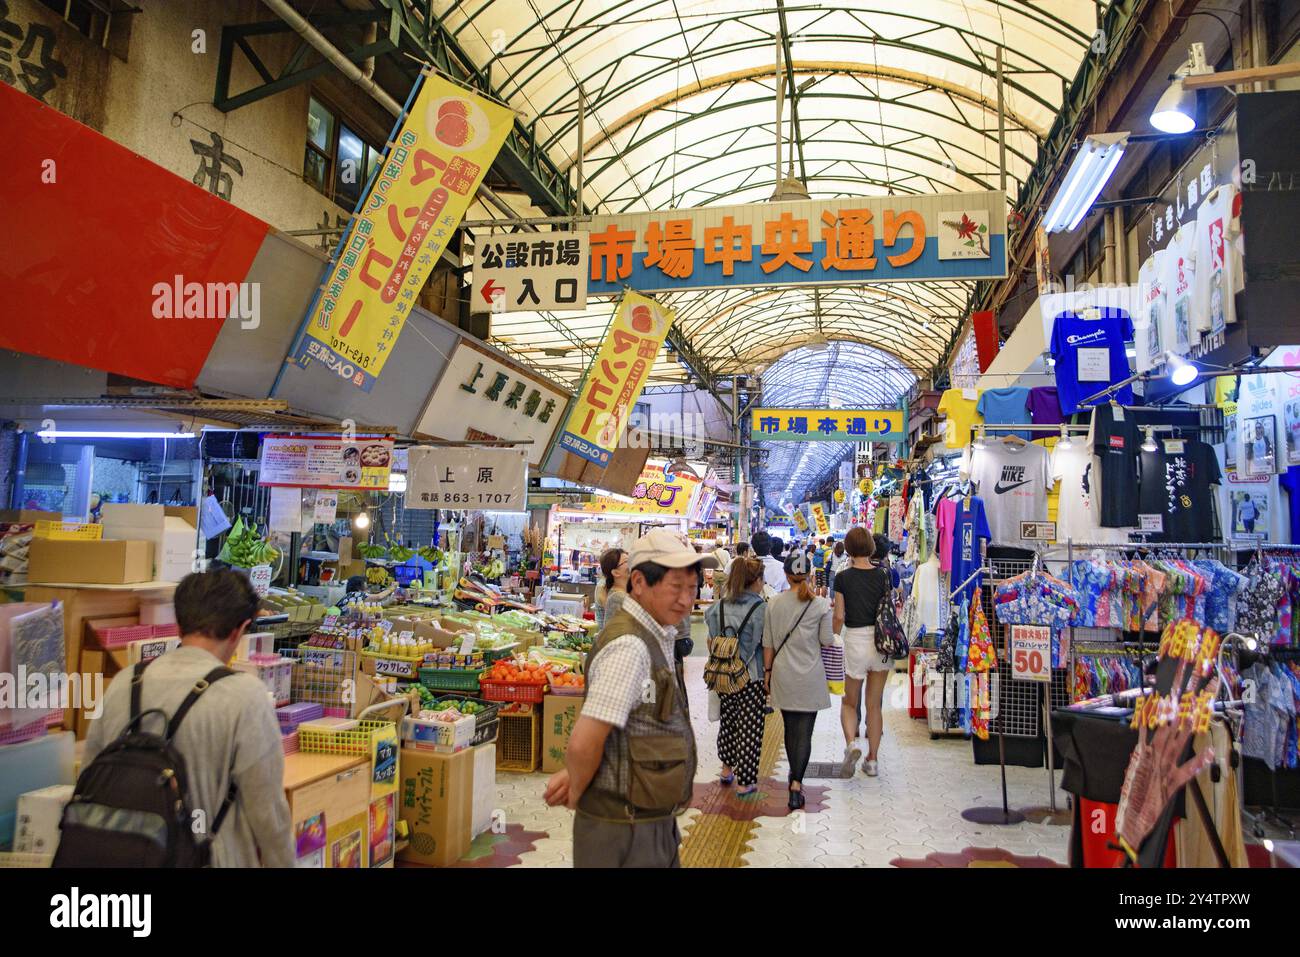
(1119, 412)
(1174, 446)
(260, 576)
(386, 625)
(1031, 653)
(406, 635)
(1038, 531)
(1151, 523)
(329, 622)
(467, 644)
(1094, 365)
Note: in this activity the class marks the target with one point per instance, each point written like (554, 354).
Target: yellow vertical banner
(819, 516)
(800, 522)
(616, 378)
(437, 162)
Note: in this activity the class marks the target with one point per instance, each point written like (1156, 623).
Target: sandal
(727, 779)
(746, 790)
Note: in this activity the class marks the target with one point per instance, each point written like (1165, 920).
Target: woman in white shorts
(858, 591)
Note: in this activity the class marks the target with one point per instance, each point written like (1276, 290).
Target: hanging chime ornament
(865, 486)
(839, 496)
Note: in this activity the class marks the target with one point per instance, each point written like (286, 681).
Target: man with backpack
(189, 749)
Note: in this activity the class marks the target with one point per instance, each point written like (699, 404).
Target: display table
(82, 602)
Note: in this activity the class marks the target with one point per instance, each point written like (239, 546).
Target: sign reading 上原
(527, 272)
(312, 461)
(417, 199)
(819, 518)
(827, 425)
(481, 397)
(841, 241)
(1031, 652)
(475, 478)
(654, 494)
(616, 378)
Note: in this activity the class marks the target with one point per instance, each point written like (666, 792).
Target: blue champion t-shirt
(1071, 333)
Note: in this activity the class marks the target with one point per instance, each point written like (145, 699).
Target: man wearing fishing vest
(630, 765)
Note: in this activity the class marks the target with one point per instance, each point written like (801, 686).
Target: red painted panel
(986, 338)
(79, 257)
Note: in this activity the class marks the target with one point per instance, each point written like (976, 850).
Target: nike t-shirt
(1090, 355)
(1174, 482)
(1013, 479)
(1114, 439)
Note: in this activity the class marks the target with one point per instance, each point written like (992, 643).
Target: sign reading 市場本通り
(827, 425)
(615, 379)
(841, 241)
(419, 195)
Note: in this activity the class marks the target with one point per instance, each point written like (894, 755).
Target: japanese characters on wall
(467, 478)
(616, 378)
(307, 461)
(885, 239)
(411, 211)
(523, 272)
(481, 397)
(827, 425)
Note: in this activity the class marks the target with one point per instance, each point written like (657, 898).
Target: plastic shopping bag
(833, 663)
(715, 706)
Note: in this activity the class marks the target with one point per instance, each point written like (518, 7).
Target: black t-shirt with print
(1176, 485)
(862, 589)
(1115, 443)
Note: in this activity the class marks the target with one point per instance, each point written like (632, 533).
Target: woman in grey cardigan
(796, 626)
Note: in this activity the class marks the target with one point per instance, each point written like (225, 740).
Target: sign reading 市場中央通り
(528, 272)
(416, 201)
(842, 241)
(616, 378)
(827, 425)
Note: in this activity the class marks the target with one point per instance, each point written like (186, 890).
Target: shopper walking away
(773, 569)
(229, 737)
(630, 765)
(859, 590)
(613, 586)
(739, 614)
(795, 626)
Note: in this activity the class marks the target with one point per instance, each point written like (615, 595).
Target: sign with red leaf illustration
(964, 234)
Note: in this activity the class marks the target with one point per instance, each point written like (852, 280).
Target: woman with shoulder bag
(738, 614)
(858, 593)
(796, 626)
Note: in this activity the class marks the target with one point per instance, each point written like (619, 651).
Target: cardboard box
(485, 788)
(90, 563)
(329, 797)
(435, 799)
(172, 530)
(559, 714)
(446, 736)
(39, 813)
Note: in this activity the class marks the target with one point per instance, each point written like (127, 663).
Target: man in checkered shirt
(635, 718)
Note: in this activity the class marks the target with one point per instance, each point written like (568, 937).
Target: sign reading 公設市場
(841, 242)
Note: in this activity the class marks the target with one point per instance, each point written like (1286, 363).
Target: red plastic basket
(165, 631)
(123, 636)
(513, 691)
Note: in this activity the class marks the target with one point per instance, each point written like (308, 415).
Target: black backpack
(130, 806)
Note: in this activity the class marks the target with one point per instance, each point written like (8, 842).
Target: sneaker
(851, 755)
(871, 767)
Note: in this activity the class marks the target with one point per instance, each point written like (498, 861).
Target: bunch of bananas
(377, 576)
(371, 552)
(245, 548)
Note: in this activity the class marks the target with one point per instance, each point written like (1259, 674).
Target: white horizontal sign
(477, 479)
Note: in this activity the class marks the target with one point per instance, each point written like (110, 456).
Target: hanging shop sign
(1042, 261)
(800, 522)
(474, 478)
(438, 159)
(1031, 652)
(481, 397)
(827, 425)
(819, 517)
(653, 495)
(310, 461)
(844, 241)
(616, 378)
(527, 272)
(703, 506)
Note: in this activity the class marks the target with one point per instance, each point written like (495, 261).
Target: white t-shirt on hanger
(1218, 260)
(1078, 511)
(1150, 320)
(1013, 479)
(1179, 281)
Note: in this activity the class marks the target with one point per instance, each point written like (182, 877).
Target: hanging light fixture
(1149, 445)
(1181, 372)
(1066, 442)
(1175, 111)
(979, 438)
(362, 520)
(818, 341)
(1093, 164)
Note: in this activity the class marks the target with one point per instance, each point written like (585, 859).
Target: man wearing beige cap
(630, 765)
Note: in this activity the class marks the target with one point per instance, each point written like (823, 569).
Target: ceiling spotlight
(1066, 441)
(1181, 372)
(1149, 445)
(1175, 111)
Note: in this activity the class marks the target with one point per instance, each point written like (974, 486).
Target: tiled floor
(910, 814)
